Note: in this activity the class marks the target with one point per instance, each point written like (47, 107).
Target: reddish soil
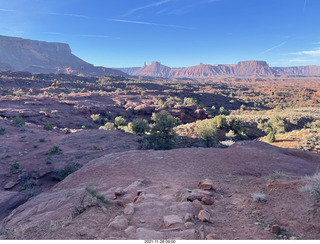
(236, 172)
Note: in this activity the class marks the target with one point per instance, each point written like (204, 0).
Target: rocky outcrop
(310, 70)
(155, 69)
(19, 54)
(241, 69)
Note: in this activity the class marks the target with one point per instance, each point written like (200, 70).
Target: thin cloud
(186, 8)
(156, 4)
(304, 6)
(148, 23)
(7, 10)
(274, 47)
(312, 53)
(52, 33)
(71, 15)
(95, 36)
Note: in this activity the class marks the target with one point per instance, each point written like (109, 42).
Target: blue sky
(178, 33)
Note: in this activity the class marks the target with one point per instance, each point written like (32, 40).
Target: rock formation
(19, 54)
(241, 69)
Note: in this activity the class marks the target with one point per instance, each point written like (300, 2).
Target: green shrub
(120, 121)
(162, 136)
(258, 197)
(108, 126)
(60, 173)
(15, 166)
(97, 119)
(53, 150)
(271, 137)
(315, 124)
(207, 131)
(190, 101)
(48, 126)
(237, 126)
(312, 188)
(140, 126)
(220, 121)
(18, 121)
(2, 131)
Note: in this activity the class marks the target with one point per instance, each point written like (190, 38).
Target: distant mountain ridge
(18, 54)
(241, 69)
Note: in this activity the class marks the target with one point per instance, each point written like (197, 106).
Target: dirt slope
(157, 191)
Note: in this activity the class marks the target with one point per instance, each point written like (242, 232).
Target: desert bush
(18, 121)
(120, 121)
(2, 131)
(140, 126)
(278, 124)
(315, 124)
(220, 121)
(108, 126)
(48, 126)
(279, 175)
(258, 197)
(53, 150)
(237, 126)
(90, 198)
(312, 188)
(60, 173)
(162, 136)
(207, 131)
(271, 137)
(190, 101)
(14, 167)
(97, 119)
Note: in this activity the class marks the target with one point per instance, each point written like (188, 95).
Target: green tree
(162, 135)
(140, 126)
(207, 131)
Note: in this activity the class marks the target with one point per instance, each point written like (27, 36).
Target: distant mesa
(243, 69)
(18, 54)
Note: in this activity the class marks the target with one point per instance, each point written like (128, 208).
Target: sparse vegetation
(54, 150)
(60, 173)
(18, 121)
(312, 188)
(258, 197)
(48, 126)
(2, 131)
(90, 198)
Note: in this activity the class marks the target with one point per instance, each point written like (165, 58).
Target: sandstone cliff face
(242, 69)
(155, 69)
(310, 70)
(45, 57)
(253, 68)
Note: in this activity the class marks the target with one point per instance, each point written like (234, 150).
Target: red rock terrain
(157, 195)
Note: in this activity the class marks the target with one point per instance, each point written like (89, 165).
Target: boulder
(129, 209)
(206, 184)
(204, 216)
(145, 234)
(171, 220)
(197, 205)
(207, 200)
(10, 185)
(119, 222)
(211, 237)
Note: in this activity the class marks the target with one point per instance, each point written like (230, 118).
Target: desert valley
(209, 152)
